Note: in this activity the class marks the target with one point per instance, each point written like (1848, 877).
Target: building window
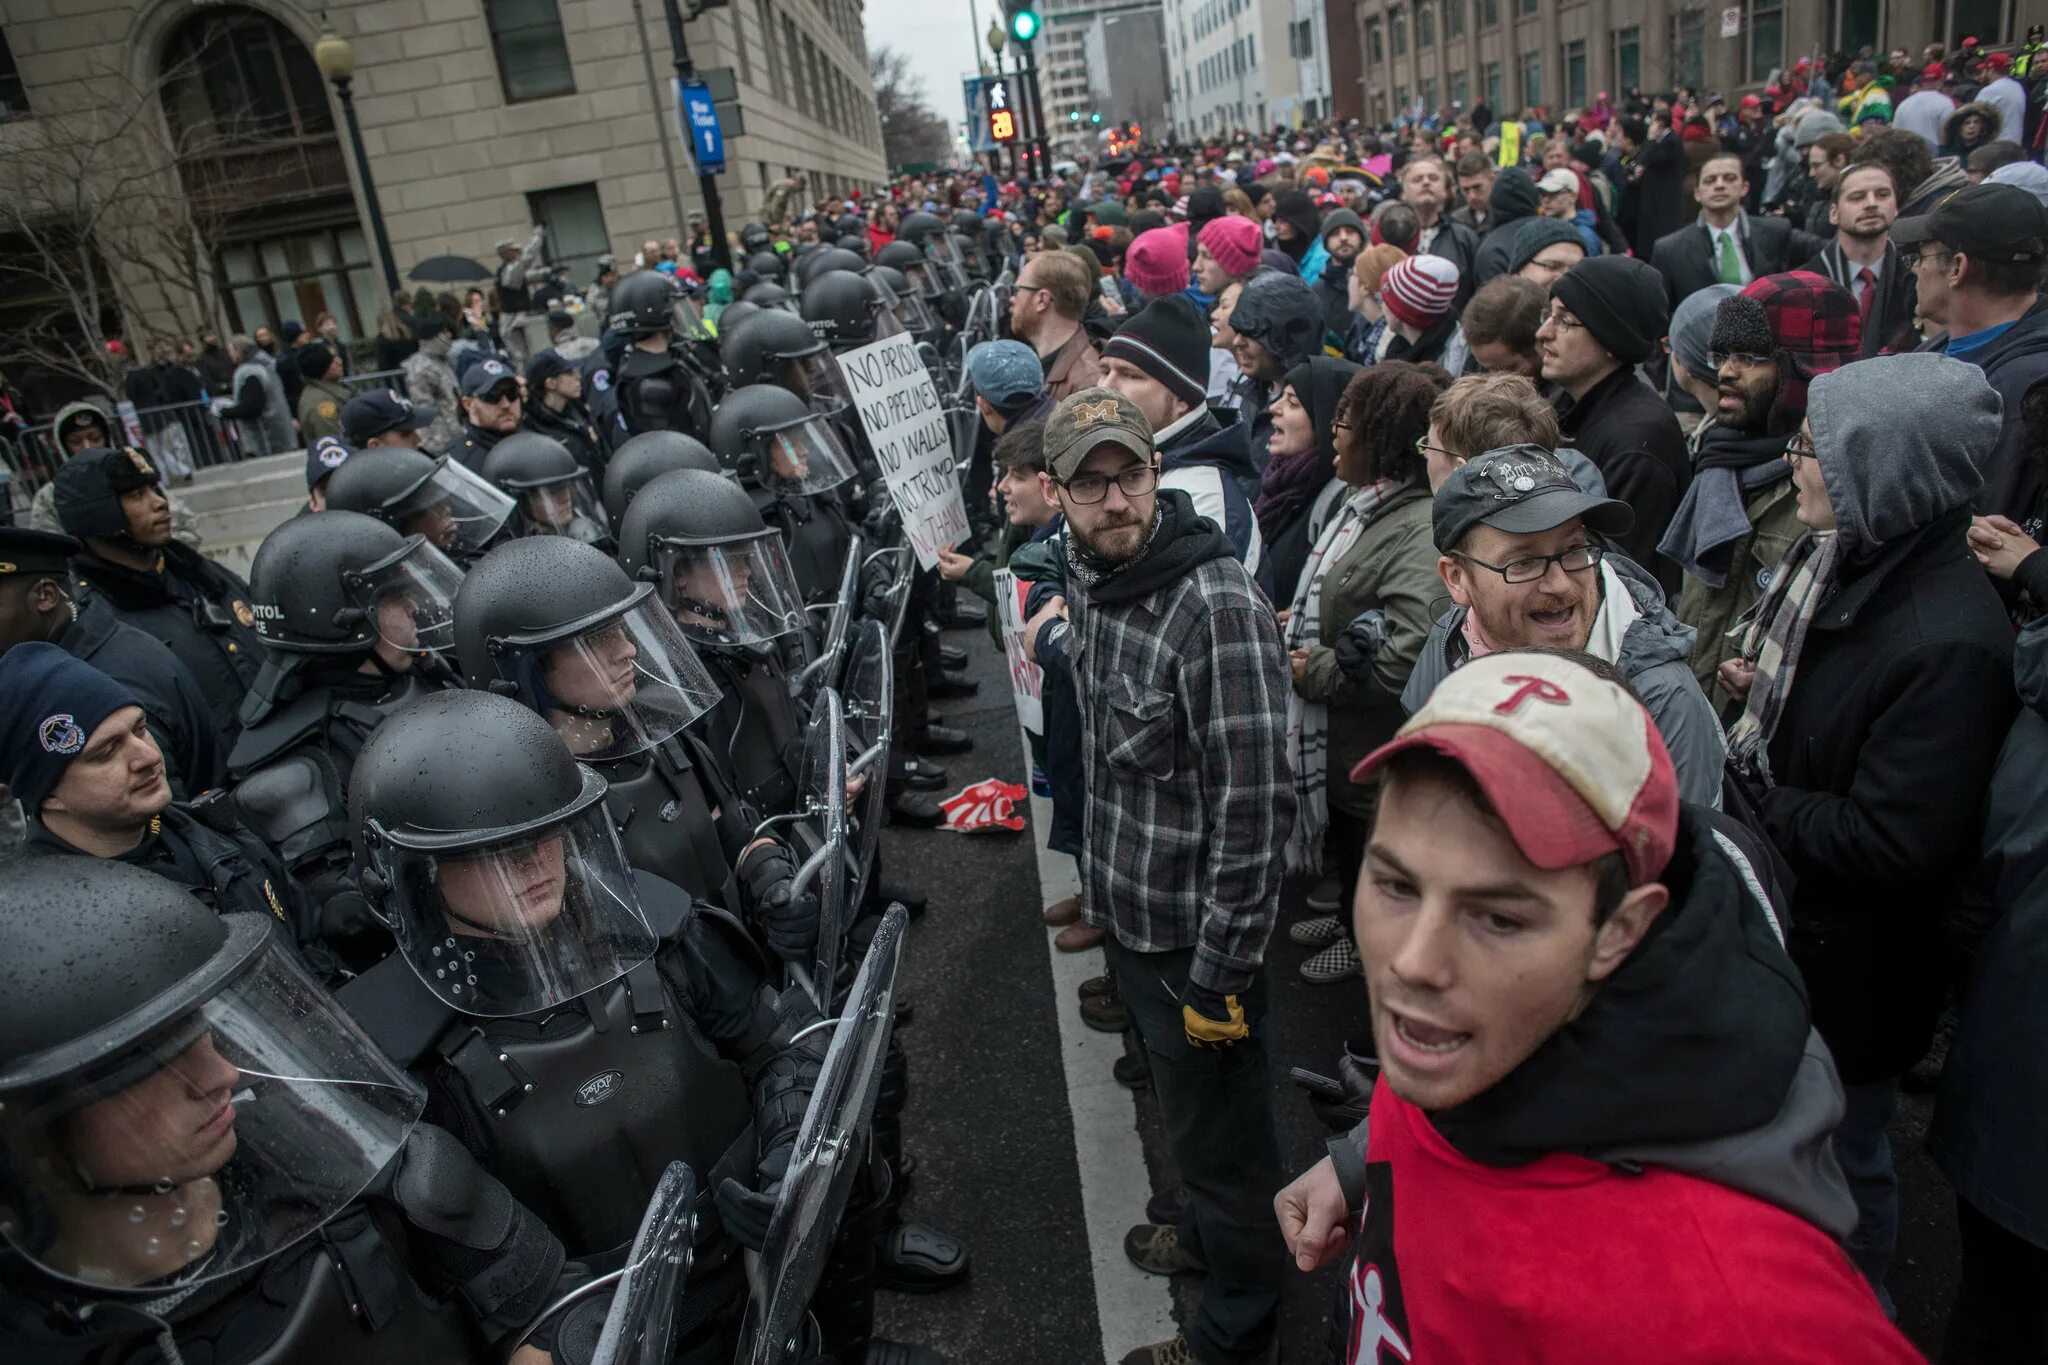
(1575, 72)
(1764, 25)
(533, 56)
(1688, 48)
(1628, 60)
(1532, 79)
(13, 94)
(774, 52)
(1301, 38)
(1425, 26)
(1251, 52)
(1489, 13)
(1529, 6)
(794, 63)
(1489, 80)
(574, 218)
(1429, 109)
(739, 43)
(1454, 18)
(1461, 91)
(301, 276)
(1398, 19)
(1984, 20)
(1375, 50)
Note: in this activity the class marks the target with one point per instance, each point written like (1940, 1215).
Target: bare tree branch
(911, 133)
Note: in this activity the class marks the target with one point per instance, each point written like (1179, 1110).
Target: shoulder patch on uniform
(244, 615)
(327, 410)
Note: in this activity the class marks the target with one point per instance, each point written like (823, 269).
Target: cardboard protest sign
(899, 408)
(1027, 680)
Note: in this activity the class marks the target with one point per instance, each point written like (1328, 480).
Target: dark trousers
(1344, 841)
(2001, 1312)
(1215, 1106)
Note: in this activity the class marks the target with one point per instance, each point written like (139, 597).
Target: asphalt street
(996, 1088)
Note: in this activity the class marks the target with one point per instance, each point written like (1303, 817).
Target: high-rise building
(1229, 66)
(1127, 66)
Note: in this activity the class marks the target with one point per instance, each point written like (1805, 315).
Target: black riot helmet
(336, 582)
(642, 304)
(857, 243)
(488, 849)
(551, 488)
(736, 312)
(89, 486)
(774, 347)
(421, 494)
(911, 309)
(769, 265)
(755, 238)
(646, 457)
(831, 258)
(717, 564)
(909, 258)
(135, 1159)
(769, 294)
(844, 312)
(768, 437)
(919, 228)
(561, 628)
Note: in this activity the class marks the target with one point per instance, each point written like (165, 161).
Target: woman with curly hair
(1375, 564)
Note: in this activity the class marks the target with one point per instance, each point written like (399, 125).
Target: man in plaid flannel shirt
(1183, 685)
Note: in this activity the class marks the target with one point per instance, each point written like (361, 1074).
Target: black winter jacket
(1628, 432)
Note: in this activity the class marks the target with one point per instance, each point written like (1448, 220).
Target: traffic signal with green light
(1024, 22)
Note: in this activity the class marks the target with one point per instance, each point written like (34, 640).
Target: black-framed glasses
(1799, 448)
(1576, 559)
(1748, 360)
(1561, 321)
(1913, 258)
(1135, 482)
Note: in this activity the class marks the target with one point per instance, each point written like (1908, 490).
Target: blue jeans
(1865, 1151)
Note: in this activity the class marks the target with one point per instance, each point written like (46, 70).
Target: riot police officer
(908, 257)
(423, 495)
(792, 462)
(912, 310)
(113, 501)
(202, 1157)
(769, 265)
(538, 976)
(356, 618)
(645, 458)
(654, 383)
(551, 491)
(821, 262)
(776, 347)
(770, 294)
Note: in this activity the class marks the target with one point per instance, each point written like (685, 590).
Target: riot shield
(821, 787)
(824, 663)
(640, 1326)
(830, 1147)
(900, 563)
(868, 688)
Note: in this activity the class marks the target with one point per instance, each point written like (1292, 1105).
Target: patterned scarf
(1308, 722)
(1285, 484)
(1772, 640)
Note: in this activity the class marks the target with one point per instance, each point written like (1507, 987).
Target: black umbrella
(448, 270)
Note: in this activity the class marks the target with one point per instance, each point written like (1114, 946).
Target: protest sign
(898, 406)
(1027, 680)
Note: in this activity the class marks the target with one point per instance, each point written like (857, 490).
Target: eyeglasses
(1748, 360)
(1562, 321)
(1577, 559)
(1423, 447)
(505, 395)
(1799, 448)
(1913, 258)
(1088, 489)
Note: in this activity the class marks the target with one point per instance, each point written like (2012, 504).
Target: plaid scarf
(1772, 640)
(1308, 722)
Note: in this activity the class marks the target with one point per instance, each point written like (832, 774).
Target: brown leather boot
(1061, 913)
(1078, 938)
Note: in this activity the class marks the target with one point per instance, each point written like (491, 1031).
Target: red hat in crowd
(1419, 290)
(1157, 261)
(1234, 242)
(1998, 61)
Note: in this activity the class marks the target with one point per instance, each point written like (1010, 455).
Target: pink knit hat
(1156, 262)
(1235, 242)
(1419, 290)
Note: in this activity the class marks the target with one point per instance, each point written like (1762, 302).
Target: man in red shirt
(1599, 1131)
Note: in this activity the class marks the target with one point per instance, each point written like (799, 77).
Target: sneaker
(1327, 896)
(1317, 932)
(1155, 1249)
(1105, 1013)
(1334, 963)
(1174, 1352)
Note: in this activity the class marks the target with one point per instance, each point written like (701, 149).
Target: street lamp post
(336, 58)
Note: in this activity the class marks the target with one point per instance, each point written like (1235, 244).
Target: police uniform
(474, 443)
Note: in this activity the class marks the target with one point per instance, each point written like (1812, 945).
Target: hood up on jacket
(1697, 1054)
(72, 411)
(1319, 382)
(1298, 210)
(1888, 477)
(1280, 313)
(1181, 540)
(1514, 196)
(1216, 438)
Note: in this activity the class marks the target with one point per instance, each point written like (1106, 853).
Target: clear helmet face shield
(924, 281)
(686, 319)
(913, 314)
(887, 322)
(206, 1146)
(409, 598)
(456, 510)
(614, 685)
(738, 592)
(567, 507)
(804, 457)
(510, 922)
(815, 379)
(948, 266)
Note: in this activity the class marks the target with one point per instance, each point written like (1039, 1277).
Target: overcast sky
(934, 34)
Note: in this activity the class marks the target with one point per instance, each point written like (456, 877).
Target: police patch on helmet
(60, 734)
(330, 452)
(243, 614)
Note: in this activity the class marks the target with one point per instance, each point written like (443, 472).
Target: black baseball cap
(486, 375)
(323, 457)
(380, 410)
(24, 552)
(545, 364)
(1519, 489)
(1991, 222)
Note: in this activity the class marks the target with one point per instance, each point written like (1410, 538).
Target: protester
(1046, 304)
(260, 411)
(1275, 326)
(1298, 489)
(1500, 326)
(1420, 297)
(430, 384)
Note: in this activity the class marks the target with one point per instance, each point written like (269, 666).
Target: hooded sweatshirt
(1207, 456)
(1645, 1185)
(1182, 686)
(1298, 493)
(1514, 198)
(1636, 632)
(1279, 312)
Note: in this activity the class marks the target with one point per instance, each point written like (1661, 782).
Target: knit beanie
(1419, 289)
(1809, 323)
(1529, 237)
(313, 359)
(1692, 328)
(1168, 340)
(1156, 263)
(1621, 301)
(1373, 263)
(1234, 241)
(54, 703)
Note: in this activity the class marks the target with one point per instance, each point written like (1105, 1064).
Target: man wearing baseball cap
(1008, 383)
(384, 417)
(490, 410)
(1524, 552)
(323, 456)
(1976, 260)
(1183, 685)
(1599, 1128)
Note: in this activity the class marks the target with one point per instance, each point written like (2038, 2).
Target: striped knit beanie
(1419, 290)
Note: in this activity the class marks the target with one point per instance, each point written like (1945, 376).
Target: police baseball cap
(1990, 222)
(1091, 418)
(487, 375)
(23, 552)
(546, 364)
(1005, 373)
(1519, 489)
(323, 457)
(379, 411)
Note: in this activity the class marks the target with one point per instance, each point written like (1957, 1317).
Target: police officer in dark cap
(113, 501)
(383, 417)
(355, 618)
(38, 602)
(203, 1158)
(490, 409)
(79, 756)
(555, 408)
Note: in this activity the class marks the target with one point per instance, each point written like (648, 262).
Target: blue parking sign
(700, 116)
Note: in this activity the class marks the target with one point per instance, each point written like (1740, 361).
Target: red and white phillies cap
(1571, 762)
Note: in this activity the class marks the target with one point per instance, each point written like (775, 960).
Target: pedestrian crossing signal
(1002, 125)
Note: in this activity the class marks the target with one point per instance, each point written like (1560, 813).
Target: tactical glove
(1212, 1020)
(1360, 644)
(787, 918)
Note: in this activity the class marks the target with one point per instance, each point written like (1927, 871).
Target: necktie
(1727, 267)
(1869, 283)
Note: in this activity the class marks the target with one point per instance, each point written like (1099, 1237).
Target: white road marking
(1133, 1307)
